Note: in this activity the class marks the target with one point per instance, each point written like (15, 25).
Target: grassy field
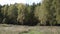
(19, 29)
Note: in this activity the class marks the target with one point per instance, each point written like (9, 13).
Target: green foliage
(1, 15)
(45, 13)
(30, 18)
(21, 10)
(12, 14)
(4, 10)
(57, 8)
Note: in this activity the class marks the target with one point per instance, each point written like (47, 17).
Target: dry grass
(17, 29)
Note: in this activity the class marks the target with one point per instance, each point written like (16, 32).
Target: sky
(2, 2)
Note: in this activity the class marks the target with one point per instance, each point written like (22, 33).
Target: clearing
(19, 29)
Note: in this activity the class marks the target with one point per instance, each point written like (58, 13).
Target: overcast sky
(2, 2)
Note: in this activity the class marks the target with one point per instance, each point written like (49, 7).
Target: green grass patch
(32, 32)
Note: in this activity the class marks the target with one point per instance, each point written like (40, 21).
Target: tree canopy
(45, 13)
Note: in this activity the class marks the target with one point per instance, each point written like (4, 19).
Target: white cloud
(18, 1)
(11, 1)
(31, 1)
(2, 2)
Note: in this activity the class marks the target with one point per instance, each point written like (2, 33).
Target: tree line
(46, 13)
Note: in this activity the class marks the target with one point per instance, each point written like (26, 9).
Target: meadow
(19, 29)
